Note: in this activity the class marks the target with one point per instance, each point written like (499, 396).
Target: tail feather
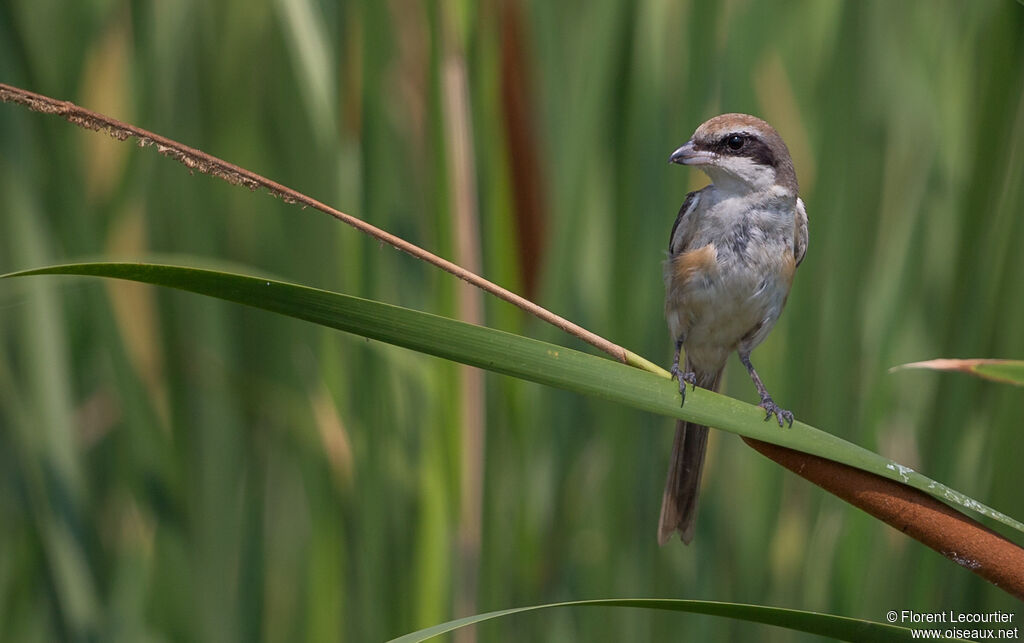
(679, 501)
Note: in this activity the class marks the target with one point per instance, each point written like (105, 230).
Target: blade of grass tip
(1008, 371)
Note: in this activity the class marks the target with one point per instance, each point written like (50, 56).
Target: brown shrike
(732, 253)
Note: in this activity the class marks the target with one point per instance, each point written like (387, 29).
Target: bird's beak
(688, 155)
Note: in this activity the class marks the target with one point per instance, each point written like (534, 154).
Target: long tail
(679, 502)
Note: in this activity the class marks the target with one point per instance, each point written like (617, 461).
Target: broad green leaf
(518, 356)
(1009, 371)
(836, 627)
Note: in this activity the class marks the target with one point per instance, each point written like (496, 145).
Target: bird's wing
(800, 241)
(680, 229)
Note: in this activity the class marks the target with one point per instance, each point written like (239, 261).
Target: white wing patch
(801, 237)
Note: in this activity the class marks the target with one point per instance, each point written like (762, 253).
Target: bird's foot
(688, 377)
(771, 408)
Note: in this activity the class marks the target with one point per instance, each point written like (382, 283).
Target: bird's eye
(735, 142)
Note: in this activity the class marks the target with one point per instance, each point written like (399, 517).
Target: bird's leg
(677, 373)
(767, 403)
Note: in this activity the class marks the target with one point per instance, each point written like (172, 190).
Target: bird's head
(739, 152)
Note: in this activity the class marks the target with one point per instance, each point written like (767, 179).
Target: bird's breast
(721, 291)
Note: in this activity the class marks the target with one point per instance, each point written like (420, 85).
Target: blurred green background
(177, 468)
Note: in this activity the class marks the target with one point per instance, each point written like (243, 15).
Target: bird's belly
(724, 302)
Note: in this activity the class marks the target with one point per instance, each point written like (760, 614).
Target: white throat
(737, 175)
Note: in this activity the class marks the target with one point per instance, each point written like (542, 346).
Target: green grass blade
(518, 356)
(837, 627)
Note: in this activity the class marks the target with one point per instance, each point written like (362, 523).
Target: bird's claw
(688, 377)
(771, 408)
